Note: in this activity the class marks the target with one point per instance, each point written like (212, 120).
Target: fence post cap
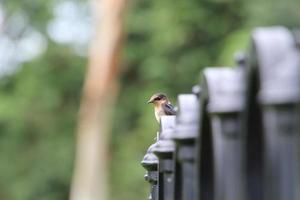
(278, 65)
(187, 117)
(224, 89)
(150, 160)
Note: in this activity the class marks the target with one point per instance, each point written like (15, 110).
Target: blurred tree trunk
(99, 92)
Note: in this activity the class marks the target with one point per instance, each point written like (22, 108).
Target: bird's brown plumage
(162, 105)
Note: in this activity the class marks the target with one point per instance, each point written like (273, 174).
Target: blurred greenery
(168, 43)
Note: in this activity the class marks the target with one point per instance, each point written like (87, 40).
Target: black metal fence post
(204, 150)
(164, 149)
(185, 137)
(278, 67)
(238, 136)
(225, 92)
(150, 163)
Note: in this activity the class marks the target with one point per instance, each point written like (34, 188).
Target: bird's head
(158, 99)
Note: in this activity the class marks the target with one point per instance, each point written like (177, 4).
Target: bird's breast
(159, 112)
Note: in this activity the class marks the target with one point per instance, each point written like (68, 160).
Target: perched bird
(162, 105)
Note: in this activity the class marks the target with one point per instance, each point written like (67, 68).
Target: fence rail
(237, 136)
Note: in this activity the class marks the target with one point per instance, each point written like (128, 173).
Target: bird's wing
(169, 109)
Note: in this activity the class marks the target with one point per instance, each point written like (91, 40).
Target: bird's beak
(150, 101)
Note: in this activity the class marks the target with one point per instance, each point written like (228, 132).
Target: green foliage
(266, 13)
(37, 123)
(168, 43)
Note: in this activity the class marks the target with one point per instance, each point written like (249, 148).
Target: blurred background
(43, 58)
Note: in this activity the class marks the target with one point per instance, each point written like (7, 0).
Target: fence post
(185, 136)
(164, 150)
(150, 163)
(277, 61)
(225, 102)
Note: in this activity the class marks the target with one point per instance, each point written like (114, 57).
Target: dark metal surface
(278, 66)
(224, 87)
(164, 149)
(150, 163)
(225, 101)
(185, 135)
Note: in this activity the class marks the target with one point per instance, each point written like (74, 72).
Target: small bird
(162, 105)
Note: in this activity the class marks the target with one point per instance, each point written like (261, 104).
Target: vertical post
(185, 136)
(204, 149)
(164, 149)
(251, 124)
(278, 67)
(225, 93)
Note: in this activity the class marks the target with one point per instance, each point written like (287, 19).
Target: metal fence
(237, 136)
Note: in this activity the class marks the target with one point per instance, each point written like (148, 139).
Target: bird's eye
(157, 98)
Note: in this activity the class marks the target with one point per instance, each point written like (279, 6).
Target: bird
(162, 105)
